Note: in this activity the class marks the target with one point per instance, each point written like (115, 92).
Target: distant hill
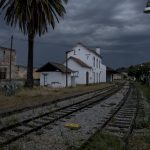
(125, 69)
(147, 64)
(122, 69)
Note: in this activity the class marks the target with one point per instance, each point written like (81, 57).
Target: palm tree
(33, 17)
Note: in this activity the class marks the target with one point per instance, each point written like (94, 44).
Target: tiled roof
(80, 62)
(50, 67)
(62, 67)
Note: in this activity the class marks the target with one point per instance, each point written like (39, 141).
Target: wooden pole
(10, 58)
(66, 69)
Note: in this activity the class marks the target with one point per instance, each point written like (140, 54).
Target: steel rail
(17, 111)
(54, 116)
(126, 108)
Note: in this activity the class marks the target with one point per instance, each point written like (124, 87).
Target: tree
(132, 71)
(33, 17)
(139, 72)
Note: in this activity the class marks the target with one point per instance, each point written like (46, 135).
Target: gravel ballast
(58, 137)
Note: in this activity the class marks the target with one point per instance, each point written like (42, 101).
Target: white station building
(88, 63)
(84, 67)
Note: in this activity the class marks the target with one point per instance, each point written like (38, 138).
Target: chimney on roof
(98, 51)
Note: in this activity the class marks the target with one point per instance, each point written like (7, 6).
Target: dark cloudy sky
(118, 27)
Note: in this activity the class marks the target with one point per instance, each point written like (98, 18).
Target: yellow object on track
(72, 126)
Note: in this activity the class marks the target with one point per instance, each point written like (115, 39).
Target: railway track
(46, 104)
(20, 129)
(19, 115)
(121, 120)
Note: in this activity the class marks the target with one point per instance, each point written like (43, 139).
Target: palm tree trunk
(29, 82)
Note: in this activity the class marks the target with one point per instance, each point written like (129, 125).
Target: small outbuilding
(110, 73)
(54, 75)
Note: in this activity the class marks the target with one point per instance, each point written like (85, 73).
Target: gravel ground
(58, 137)
(5, 121)
(25, 97)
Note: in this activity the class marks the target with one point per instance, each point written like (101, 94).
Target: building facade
(21, 73)
(88, 63)
(111, 74)
(54, 75)
(6, 56)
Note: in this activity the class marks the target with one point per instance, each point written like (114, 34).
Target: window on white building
(97, 63)
(74, 52)
(97, 77)
(45, 79)
(87, 56)
(94, 61)
(93, 77)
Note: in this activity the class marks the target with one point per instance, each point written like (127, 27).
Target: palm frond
(33, 16)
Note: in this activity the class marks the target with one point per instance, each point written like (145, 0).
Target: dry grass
(27, 97)
(103, 141)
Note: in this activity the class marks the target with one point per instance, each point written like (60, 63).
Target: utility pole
(147, 11)
(10, 59)
(67, 66)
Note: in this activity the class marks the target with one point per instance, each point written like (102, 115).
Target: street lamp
(147, 8)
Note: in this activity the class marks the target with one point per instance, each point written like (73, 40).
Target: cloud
(119, 28)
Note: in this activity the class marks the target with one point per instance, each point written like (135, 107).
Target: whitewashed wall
(103, 73)
(99, 70)
(55, 77)
(81, 79)
(83, 54)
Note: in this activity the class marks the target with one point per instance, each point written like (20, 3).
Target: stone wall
(5, 63)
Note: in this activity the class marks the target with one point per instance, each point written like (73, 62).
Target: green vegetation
(102, 141)
(142, 141)
(138, 71)
(145, 89)
(139, 143)
(143, 122)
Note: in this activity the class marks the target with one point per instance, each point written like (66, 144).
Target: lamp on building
(147, 8)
